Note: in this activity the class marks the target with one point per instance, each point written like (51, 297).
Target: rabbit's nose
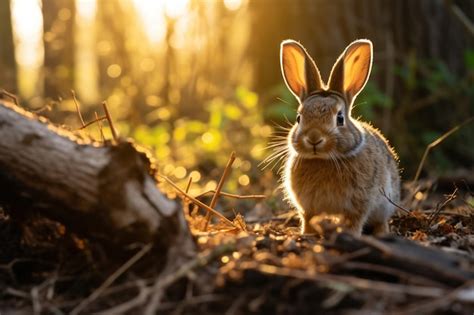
(315, 142)
(314, 139)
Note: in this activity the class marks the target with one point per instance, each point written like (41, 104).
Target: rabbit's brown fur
(337, 166)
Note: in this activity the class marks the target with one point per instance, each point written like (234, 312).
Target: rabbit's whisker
(274, 145)
(275, 158)
(275, 155)
(334, 161)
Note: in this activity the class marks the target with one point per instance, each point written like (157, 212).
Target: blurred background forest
(193, 80)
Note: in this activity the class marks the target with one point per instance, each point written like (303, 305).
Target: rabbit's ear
(299, 70)
(352, 69)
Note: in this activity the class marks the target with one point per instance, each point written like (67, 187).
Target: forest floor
(264, 266)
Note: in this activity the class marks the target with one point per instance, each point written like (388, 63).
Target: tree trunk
(104, 192)
(425, 28)
(58, 27)
(7, 50)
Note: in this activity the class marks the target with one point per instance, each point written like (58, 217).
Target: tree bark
(104, 192)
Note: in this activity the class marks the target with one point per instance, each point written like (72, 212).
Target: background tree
(7, 53)
(58, 29)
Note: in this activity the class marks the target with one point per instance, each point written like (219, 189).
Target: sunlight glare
(232, 5)
(27, 23)
(86, 61)
(86, 9)
(176, 8)
(151, 15)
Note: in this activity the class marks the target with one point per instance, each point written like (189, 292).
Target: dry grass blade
(99, 123)
(12, 96)
(197, 202)
(437, 142)
(393, 203)
(188, 185)
(440, 206)
(78, 109)
(96, 120)
(78, 309)
(186, 201)
(109, 119)
(219, 187)
(461, 16)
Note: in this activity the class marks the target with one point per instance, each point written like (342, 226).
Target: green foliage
(203, 146)
(283, 106)
(371, 99)
(469, 59)
(435, 100)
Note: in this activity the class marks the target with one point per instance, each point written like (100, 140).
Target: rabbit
(336, 164)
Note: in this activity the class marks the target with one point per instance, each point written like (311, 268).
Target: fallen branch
(102, 192)
(439, 301)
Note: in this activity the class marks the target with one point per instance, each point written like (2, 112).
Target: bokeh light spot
(164, 114)
(64, 14)
(244, 180)
(153, 100)
(195, 175)
(180, 172)
(114, 71)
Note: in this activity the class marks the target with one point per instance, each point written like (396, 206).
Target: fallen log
(409, 257)
(105, 191)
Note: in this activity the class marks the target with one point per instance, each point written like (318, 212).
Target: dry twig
(96, 120)
(437, 142)
(99, 123)
(225, 194)
(358, 283)
(11, 96)
(393, 203)
(438, 302)
(165, 281)
(109, 119)
(197, 202)
(78, 109)
(97, 292)
(441, 205)
(219, 187)
(188, 185)
(461, 16)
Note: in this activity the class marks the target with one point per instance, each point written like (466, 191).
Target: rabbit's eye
(298, 118)
(340, 119)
